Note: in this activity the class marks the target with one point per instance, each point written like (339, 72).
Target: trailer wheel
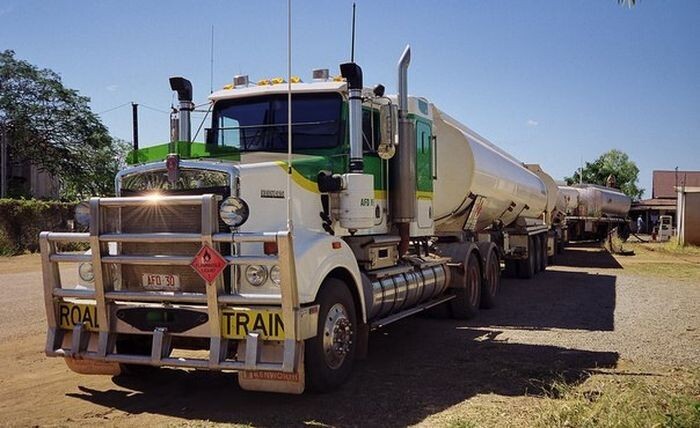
(526, 267)
(492, 281)
(466, 304)
(551, 260)
(329, 355)
(537, 241)
(511, 270)
(543, 249)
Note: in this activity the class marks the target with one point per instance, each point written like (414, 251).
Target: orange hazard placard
(208, 263)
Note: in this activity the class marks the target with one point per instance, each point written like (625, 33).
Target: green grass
(624, 401)
(672, 247)
(682, 271)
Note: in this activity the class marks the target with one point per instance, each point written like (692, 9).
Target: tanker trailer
(599, 210)
(484, 194)
(554, 214)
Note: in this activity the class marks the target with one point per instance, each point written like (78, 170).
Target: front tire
(329, 356)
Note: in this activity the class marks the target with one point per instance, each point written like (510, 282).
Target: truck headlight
(85, 272)
(275, 274)
(82, 213)
(256, 275)
(234, 211)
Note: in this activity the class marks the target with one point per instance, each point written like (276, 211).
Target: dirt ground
(591, 315)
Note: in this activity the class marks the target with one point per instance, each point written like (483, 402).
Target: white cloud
(112, 88)
(532, 123)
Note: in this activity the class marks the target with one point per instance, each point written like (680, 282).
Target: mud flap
(274, 381)
(93, 367)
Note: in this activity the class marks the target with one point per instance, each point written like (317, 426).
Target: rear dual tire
(466, 304)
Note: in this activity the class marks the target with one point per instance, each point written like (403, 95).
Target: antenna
(211, 63)
(352, 46)
(289, 115)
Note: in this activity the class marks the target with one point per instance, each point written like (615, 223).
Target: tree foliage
(53, 127)
(615, 163)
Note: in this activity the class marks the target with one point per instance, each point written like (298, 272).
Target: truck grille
(159, 219)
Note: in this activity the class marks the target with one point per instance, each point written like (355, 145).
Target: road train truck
(245, 253)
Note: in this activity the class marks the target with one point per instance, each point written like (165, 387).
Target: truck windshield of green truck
(260, 123)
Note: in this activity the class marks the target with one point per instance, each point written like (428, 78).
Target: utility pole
(3, 163)
(135, 124)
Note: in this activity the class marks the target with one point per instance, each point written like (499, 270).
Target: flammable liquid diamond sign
(208, 263)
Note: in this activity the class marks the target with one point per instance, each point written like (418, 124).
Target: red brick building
(663, 197)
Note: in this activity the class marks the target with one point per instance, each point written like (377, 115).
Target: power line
(113, 108)
(154, 109)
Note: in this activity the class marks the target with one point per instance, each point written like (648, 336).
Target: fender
(458, 252)
(317, 254)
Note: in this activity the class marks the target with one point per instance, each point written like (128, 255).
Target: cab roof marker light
(240, 80)
(320, 74)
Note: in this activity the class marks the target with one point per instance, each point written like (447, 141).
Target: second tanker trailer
(277, 265)
(593, 211)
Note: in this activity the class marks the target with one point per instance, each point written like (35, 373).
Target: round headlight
(85, 272)
(82, 213)
(234, 211)
(256, 275)
(275, 274)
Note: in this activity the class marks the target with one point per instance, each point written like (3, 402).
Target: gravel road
(584, 315)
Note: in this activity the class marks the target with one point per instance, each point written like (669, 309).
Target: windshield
(260, 123)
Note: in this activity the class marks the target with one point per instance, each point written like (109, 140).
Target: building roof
(664, 182)
(654, 204)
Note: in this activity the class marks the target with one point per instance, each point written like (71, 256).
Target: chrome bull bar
(299, 323)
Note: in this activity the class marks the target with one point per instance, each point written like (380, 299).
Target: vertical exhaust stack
(403, 166)
(183, 87)
(353, 75)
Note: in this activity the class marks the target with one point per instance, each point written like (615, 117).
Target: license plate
(237, 323)
(71, 314)
(160, 281)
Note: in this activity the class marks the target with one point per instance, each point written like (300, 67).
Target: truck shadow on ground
(587, 255)
(416, 367)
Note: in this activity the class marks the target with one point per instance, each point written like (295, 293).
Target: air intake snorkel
(184, 96)
(353, 75)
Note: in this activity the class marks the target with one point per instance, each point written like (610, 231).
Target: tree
(53, 127)
(612, 163)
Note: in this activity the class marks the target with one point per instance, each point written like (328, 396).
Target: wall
(689, 218)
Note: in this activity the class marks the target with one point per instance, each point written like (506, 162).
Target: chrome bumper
(299, 323)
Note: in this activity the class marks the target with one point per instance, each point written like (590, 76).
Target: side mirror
(388, 120)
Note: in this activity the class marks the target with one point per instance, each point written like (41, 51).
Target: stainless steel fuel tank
(394, 293)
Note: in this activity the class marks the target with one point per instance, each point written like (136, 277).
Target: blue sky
(552, 82)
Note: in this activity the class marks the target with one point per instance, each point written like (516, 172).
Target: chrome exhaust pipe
(403, 165)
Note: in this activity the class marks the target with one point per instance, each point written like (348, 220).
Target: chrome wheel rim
(337, 336)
